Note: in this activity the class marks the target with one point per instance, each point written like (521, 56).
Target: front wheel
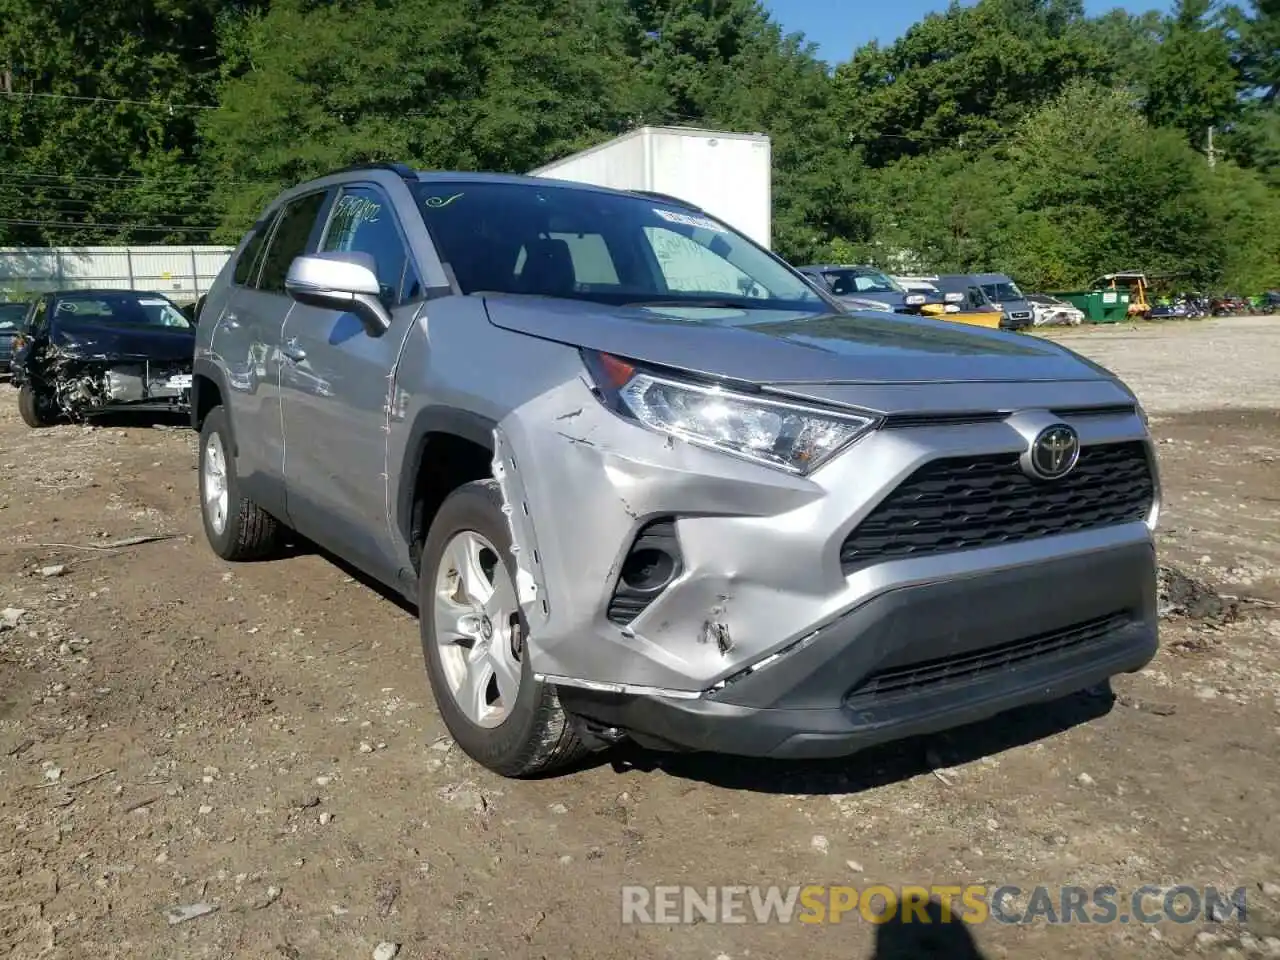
(473, 641)
(34, 408)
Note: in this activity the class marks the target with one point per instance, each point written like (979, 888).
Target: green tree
(1246, 210)
(1121, 194)
(1254, 140)
(1255, 36)
(725, 64)
(98, 102)
(466, 84)
(1192, 83)
(944, 211)
(967, 76)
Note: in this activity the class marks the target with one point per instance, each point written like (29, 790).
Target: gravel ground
(256, 745)
(1189, 366)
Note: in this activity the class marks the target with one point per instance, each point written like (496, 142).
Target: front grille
(962, 503)
(927, 675)
(1021, 315)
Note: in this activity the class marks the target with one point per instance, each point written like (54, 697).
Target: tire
(247, 532)
(535, 735)
(32, 408)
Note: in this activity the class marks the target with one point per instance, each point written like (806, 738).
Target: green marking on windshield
(437, 202)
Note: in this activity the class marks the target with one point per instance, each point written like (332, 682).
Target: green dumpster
(1098, 306)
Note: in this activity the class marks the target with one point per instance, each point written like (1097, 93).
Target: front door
(336, 384)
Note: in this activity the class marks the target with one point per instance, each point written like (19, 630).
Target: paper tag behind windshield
(701, 223)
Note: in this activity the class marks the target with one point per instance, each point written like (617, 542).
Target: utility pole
(1213, 160)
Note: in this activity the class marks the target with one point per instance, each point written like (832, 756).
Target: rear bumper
(915, 660)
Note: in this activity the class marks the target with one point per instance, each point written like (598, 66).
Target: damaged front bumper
(914, 660)
(88, 387)
(762, 638)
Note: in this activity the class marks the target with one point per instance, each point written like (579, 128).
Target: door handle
(292, 351)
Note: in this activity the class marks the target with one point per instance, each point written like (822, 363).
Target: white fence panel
(179, 272)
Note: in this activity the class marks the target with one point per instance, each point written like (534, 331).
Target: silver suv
(642, 480)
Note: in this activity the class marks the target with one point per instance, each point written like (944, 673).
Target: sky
(841, 26)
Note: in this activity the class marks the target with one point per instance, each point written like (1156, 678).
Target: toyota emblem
(1053, 453)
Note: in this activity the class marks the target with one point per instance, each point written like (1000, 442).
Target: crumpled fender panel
(580, 482)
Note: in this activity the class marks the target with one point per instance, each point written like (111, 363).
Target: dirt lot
(260, 739)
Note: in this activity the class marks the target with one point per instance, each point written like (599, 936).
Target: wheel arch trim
(474, 427)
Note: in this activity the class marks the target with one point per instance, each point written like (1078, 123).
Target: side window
(976, 300)
(249, 257)
(363, 221)
(289, 240)
(688, 265)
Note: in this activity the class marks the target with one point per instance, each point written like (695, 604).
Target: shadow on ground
(135, 420)
(877, 766)
(949, 938)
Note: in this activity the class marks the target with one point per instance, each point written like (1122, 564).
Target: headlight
(795, 438)
(915, 299)
(871, 305)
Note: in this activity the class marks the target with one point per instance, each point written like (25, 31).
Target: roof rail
(403, 170)
(669, 198)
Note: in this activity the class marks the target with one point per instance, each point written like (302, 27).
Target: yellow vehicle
(967, 302)
(1136, 284)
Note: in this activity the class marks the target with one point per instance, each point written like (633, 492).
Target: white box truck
(729, 175)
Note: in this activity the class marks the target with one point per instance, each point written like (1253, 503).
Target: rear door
(248, 341)
(336, 383)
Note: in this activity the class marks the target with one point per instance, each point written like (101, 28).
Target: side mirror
(346, 281)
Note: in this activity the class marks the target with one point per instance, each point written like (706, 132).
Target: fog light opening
(648, 570)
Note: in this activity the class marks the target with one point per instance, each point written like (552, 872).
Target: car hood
(780, 347)
(109, 341)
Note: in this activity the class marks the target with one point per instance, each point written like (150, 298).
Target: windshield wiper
(746, 303)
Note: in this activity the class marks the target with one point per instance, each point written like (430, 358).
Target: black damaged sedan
(89, 352)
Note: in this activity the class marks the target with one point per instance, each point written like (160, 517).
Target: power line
(106, 101)
(88, 226)
(54, 179)
(178, 221)
(73, 206)
(17, 195)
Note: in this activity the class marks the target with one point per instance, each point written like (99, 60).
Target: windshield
(561, 241)
(11, 315)
(1000, 292)
(149, 310)
(851, 282)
